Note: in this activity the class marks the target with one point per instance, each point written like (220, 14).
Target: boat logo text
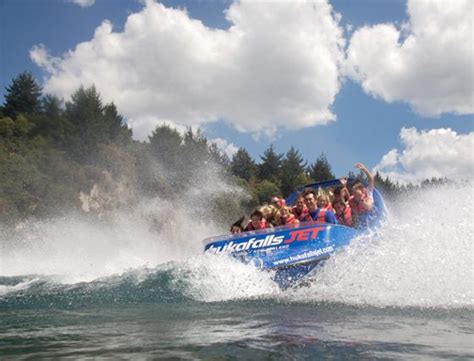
(269, 241)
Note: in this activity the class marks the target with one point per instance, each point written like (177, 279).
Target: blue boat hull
(291, 251)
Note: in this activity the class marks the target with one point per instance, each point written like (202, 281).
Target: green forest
(79, 155)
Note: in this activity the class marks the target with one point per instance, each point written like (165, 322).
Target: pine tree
(385, 186)
(51, 106)
(114, 127)
(84, 114)
(242, 165)
(293, 166)
(270, 166)
(89, 124)
(159, 160)
(22, 96)
(195, 147)
(219, 157)
(165, 146)
(321, 170)
(50, 123)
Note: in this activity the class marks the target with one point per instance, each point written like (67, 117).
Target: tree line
(52, 151)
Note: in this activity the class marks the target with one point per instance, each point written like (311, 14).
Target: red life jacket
(358, 206)
(301, 216)
(321, 218)
(346, 218)
(290, 219)
(261, 225)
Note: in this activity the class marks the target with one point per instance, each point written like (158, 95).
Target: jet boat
(293, 251)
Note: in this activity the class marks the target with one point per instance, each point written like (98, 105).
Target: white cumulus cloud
(40, 56)
(428, 62)
(277, 66)
(225, 147)
(83, 3)
(427, 154)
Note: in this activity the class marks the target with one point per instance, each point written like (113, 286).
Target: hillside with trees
(79, 155)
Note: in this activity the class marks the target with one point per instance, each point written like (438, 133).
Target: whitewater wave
(204, 279)
(18, 286)
(421, 257)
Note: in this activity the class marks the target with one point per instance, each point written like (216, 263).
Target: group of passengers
(338, 205)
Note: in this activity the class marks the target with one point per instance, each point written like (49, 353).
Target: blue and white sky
(388, 83)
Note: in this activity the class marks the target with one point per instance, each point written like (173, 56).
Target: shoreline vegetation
(80, 156)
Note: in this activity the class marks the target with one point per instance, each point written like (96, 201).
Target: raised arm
(345, 194)
(369, 175)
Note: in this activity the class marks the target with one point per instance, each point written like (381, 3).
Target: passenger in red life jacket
(285, 217)
(324, 202)
(315, 214)
(343, 213)
(362, 200)
(299, 210)
(256, 221)
(341, 192)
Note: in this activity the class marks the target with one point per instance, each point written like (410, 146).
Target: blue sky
(388, 83)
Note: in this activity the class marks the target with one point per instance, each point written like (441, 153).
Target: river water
(125, 289)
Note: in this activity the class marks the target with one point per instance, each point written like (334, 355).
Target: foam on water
(211, 278)
(422, 256)
(5, 289)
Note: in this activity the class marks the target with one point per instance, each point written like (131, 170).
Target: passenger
(269, 213)
(278, 202)
(343, 213)
(299, 209)
(324, 202)
(316, 214)
(257, 221)
(362, 200)
(285, 217)
(237, 227)
(341, 192)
